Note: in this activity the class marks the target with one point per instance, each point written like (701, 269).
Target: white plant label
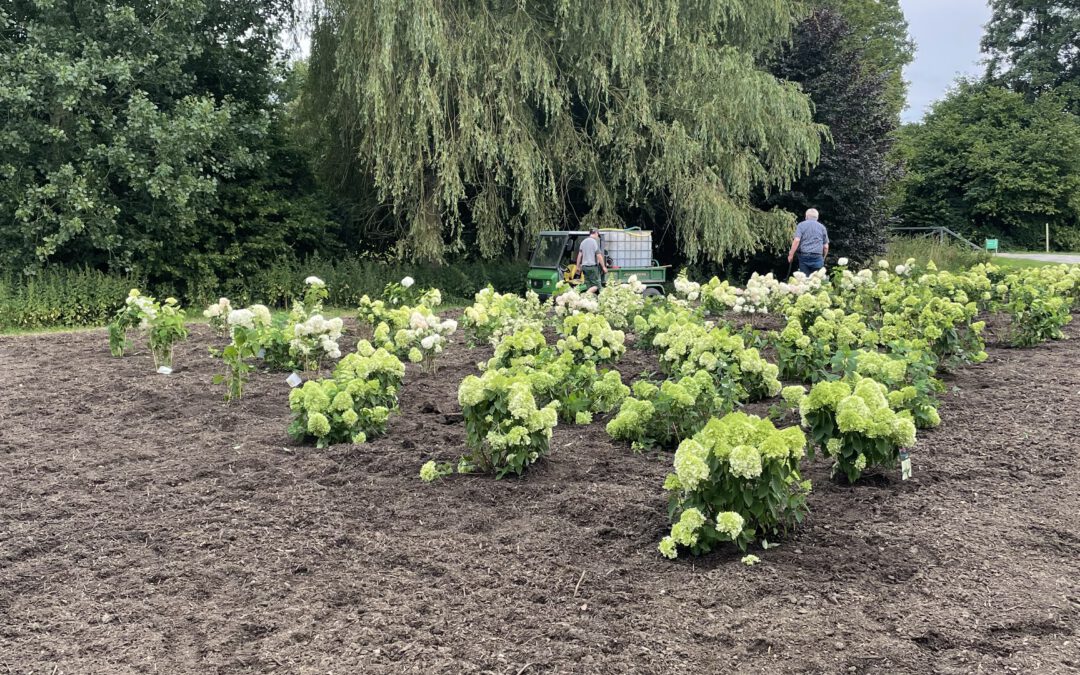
(905, 466)
(165, 370)
(294, 380)
(261, 354)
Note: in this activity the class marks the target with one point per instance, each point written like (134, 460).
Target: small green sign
(991, 245)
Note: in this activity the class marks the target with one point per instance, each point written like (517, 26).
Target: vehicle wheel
(652, 292)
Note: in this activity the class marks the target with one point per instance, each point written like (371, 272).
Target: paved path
(1067, 258)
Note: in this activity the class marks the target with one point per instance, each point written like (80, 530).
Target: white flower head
(407, 282)
(261, 315)
(241, 317)
(842, 262)
(314, 281)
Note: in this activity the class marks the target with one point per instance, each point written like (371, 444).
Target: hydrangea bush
(216, 315)
(620, 303)
(248, 329)
(506, 430)
(137, 311)
(165, 330)
(660, 416)
(353, 405)
(1036, 314)
(856, 427)
(163, 324)
(659, 316)
(589, 337)
(740, 373)
(522, 348)
(806, 354)
(580, 389)
(906, 370)
(495, 315)
(737, 480)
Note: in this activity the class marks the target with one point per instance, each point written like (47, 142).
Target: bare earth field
(147, 527)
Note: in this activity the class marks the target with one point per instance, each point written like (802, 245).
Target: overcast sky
(947, 35)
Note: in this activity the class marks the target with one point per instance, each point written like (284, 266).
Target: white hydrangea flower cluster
(243, 318)
(758, 295)
(800, 283)
(145, 306)
(619, 304)
(571, 302)
(424, 338)
(316, 338)
(255, 316)
(686, 289)
(217, 313)
(851, 280)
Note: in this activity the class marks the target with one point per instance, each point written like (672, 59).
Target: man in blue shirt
(811, 242)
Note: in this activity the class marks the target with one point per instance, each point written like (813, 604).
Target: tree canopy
(130, 133)
(1033, 47)
(852, 96)
(988, 162)
(512, 117)
(878, 32)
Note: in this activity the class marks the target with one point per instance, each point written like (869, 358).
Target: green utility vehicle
(628, 254)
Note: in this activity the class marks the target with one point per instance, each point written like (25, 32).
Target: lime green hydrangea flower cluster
(739, 479)
(353, 405)
(1040, 302)
(589, 337)
(718, 296)
(659, 416)
(857, 427)
(660, 316)
(495, 315)
(506, 430)
(948, 327)
(524, 347)
(691, 347)
(907, 371)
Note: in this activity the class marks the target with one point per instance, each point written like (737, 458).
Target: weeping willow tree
(506, 117)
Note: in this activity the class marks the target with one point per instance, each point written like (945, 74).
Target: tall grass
(947, 256)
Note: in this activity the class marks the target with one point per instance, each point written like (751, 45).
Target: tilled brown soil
(145, 526)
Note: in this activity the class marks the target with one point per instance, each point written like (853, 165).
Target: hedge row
(60, 297)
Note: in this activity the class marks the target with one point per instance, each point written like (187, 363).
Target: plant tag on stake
(905, 466)
(261, 354)
(294, 380)
(165, 370)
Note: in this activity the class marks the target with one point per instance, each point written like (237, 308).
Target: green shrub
(506, 430)
(62, 297)
(952, 256)
(857, 427)
(70, 297)
(736, 480)
(662, 416)
(352, 406)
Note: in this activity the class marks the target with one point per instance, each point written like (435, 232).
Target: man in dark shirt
(811, 242)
